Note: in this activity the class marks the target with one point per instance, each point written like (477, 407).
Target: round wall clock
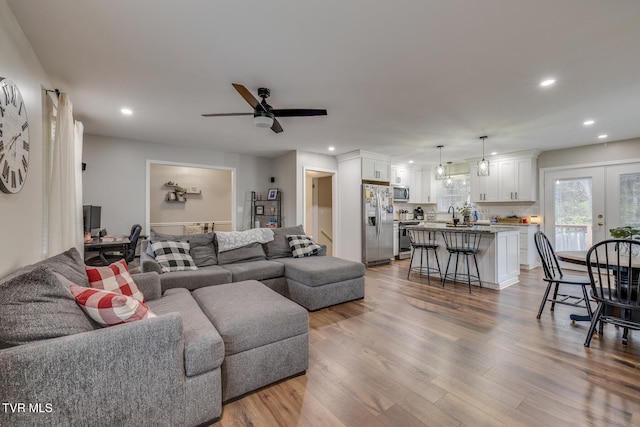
(14, 138)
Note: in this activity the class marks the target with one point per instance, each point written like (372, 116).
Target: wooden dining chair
(614, 270)
(554, 276)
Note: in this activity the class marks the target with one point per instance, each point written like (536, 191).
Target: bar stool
(423, 241)
(462, 243)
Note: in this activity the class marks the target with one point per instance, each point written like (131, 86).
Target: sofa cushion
(202, 248)
(302, 246)
(255, 270)
(109, 308)
(173, 256)
(279, 247)
(205, 276)
(114, 278)
(251, 252)
(321, 270)
(203, 346)
(37, 305)
(69, 264)
(249, 315)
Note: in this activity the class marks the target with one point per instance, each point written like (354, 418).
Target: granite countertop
(490, 229)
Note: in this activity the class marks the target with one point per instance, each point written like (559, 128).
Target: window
(455, 194)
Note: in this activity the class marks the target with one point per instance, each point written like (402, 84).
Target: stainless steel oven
(404, 243)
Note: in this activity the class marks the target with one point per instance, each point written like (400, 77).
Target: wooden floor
(414, 354)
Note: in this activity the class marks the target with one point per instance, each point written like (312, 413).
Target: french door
(581, 205)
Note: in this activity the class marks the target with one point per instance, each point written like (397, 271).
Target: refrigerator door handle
(379, 216)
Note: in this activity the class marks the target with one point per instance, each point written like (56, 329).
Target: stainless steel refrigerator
(377, 224)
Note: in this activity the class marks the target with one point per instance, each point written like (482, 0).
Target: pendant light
(440, 169)
(449, 182)
(483, 165)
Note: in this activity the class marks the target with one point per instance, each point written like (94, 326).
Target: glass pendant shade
(440, 172)
(449, 182)
(483, 165)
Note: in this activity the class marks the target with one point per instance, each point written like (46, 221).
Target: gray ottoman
(266, 336)
(316, 282)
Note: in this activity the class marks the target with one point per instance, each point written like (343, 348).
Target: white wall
(21, 215)
(115, 177)
(590, 154)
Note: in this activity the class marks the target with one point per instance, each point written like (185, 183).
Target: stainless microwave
(400, 193)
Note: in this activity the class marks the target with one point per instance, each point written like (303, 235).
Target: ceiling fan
(263, 114)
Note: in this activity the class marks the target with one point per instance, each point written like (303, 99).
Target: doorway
(319, 207)
(581, 205)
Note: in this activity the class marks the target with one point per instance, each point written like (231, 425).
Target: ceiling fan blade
(227, 114)
(298, 112)
(276, 126)
(244, 92)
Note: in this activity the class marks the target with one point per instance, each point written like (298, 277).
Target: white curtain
(64, 182)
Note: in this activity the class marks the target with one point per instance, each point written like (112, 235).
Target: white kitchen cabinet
(528, 253)
(400, 176)
(510, 180)
(396, 238)
(517, 179)
(483, 188)
(375, 170)
(426, 187)
(415, 186)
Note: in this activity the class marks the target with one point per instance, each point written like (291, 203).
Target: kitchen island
(498, 257)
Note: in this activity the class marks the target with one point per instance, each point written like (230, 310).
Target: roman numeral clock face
(14, 138)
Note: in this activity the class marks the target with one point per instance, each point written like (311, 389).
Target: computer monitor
(91, 218)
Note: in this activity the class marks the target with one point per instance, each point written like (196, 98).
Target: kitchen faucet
(453, 212)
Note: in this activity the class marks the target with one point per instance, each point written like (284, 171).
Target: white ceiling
(397, 77)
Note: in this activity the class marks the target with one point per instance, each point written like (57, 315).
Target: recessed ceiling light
(332, 148)
(493, 153)
(603, 136)
(410, 161)
(588, 122)
(126, 111)
(547, 82)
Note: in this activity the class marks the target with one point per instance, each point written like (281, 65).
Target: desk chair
(615, 285)
(108, 256)
(554, 276)
(465, 243)
(423, 241)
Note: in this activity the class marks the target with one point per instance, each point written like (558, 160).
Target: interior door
(574, 213)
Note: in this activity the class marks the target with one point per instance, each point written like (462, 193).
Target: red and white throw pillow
(109, 308)
(114, 278)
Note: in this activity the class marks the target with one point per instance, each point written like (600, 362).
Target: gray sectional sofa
(59, 368)
(314, 282)
(219, 334)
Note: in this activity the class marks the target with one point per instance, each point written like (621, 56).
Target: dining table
(580, 258)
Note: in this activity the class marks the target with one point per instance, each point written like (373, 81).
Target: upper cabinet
(511, 180)
(400, 175)
(426, 192)
(375, 169)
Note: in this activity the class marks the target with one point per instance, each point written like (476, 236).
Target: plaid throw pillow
(173, 256)
(302, 246)
(109, 308)
(114, 278)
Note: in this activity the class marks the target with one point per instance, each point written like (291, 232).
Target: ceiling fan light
(263, 121)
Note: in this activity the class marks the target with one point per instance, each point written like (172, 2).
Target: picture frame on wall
(259, 210)
(273, 194)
